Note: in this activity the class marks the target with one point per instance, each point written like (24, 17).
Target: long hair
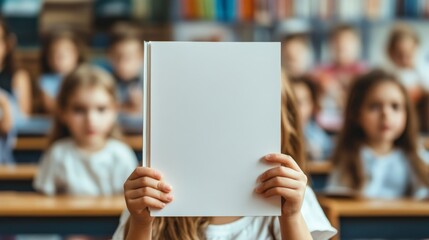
(9, 39)
(189, 228)
(346, 157)
(84, 76)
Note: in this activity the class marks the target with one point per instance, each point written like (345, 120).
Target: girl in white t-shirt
(377, 155)
(85, 156)
(302, 218)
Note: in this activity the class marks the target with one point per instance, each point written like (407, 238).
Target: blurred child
(318, 142)
(296, 55)
(14, 81)
(336, 77)
(126, 57)
(402, 47)
(5, 128)
(85, 156)
(377, 153)
(62, 52)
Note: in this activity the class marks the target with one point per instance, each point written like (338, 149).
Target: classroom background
(324, 31)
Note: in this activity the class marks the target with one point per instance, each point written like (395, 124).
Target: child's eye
(396, 106)
(101, 109)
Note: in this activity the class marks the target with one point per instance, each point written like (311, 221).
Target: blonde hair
(189, 228)
(84, 76)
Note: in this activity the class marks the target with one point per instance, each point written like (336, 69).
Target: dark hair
(423, 113)
(53, 37)
(124, 31)
(312, 86)
(301, 37)
(399, 32)
(346, 157)
(10, 40)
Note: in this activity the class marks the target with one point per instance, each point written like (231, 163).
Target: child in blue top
(377, 153)
(318, 142)
(62, 52)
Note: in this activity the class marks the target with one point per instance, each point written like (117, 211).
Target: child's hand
(145, 189)
(287, 181)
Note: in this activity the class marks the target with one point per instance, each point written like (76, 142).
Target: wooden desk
(41, 142)
(18, 172)
(17, 177)
(388, 219)
(31, 213)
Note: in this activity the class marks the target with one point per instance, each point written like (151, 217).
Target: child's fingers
(281, 171)
(149, 192)
(144, 202)
(279, 182)
(147, 182)
(286, 193)
(144, 172)
(283, 159)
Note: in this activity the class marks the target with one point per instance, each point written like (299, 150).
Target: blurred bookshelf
(228, 20)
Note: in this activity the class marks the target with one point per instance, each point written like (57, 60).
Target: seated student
(13, 80)
(85, 156)
(402, 49)
(377, 152)
(6, 134)
(336, 77)
(62, 52)
(296, 55)
(126, 57)
(318, 143)
(302, 216)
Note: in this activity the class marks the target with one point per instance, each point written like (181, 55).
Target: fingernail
(167, 187)
(169, 197)
(268, 156)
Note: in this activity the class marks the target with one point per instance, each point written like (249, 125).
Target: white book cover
(212, 112)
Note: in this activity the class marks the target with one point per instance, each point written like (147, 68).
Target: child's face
(63, 56)
(304, 101)
(127, 59)
(296, 56)
(404, 52)
(383, 113)
(90, 116)
(345, 48)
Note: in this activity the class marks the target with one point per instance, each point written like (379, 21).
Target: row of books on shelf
(258, 11)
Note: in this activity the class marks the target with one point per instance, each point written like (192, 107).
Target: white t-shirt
(66, 169)
(389, 176)
(260, 227)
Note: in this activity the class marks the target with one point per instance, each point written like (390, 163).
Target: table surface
(15, 204)
(375, 207)
(41, 142)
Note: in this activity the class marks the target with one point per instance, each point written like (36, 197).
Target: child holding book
(302, 217)
(85, 156)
